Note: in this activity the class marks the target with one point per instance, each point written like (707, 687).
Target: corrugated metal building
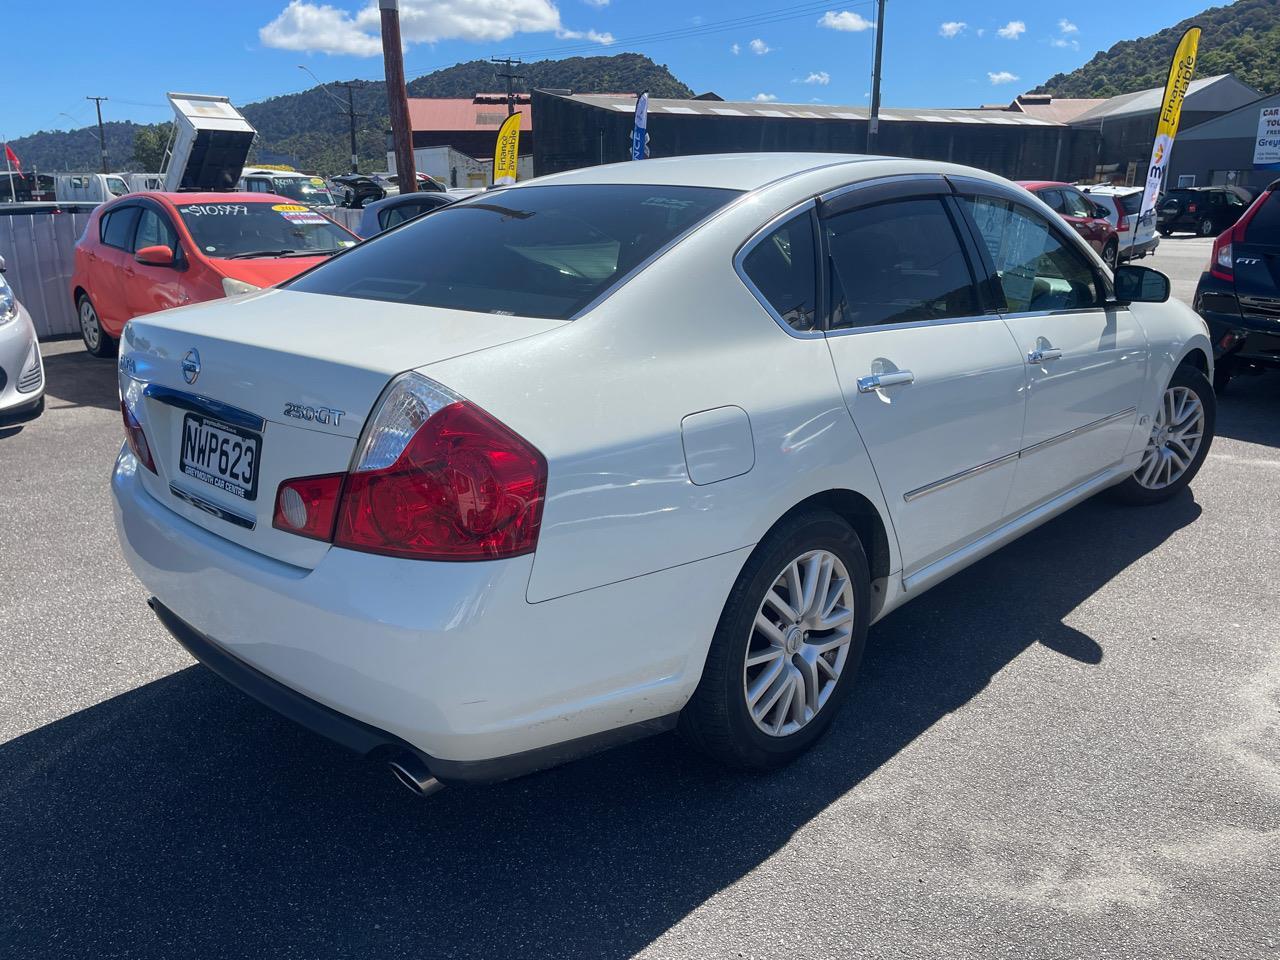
(468, 125)
(1221, 151)
(583, 130)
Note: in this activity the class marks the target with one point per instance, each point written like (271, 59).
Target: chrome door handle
(874, 382)
(1041, 355)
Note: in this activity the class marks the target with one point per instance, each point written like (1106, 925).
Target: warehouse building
(1240, 149)
(580, 130)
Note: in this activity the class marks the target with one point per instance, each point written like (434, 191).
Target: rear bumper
(1252, 339)
(1140, 249)
(448, 659)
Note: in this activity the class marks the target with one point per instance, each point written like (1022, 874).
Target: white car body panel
(679, 421)
(23, 366)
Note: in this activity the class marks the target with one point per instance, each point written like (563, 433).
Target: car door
(933, 381)
(1085, 360)
(153, 288)
(113, 269)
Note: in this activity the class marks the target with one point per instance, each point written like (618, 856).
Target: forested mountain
(1241, 38)
(310, 130)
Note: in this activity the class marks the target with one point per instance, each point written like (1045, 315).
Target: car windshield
(309, 190)
(531, 251)
(262, 229)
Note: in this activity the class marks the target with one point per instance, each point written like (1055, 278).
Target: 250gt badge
(325, 415)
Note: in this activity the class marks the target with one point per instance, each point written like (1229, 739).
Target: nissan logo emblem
(191, 366)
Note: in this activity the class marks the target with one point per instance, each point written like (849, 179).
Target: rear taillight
(308, 506)
(1191, 208)
(435, 478)
(1123, 226)
(137, 439)
(1222, 261)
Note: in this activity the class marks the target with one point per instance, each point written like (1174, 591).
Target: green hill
(310, 130)
(1241, 38)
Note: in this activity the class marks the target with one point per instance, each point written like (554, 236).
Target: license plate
(221, 455)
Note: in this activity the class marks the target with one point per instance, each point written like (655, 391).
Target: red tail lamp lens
(308, 506)
(137, 439)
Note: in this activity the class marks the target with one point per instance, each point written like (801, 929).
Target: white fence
(39, 252)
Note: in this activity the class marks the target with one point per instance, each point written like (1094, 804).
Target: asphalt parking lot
(1072, 749)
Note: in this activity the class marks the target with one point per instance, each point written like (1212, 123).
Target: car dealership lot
(1069, 749)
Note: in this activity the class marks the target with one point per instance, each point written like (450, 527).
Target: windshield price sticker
(215, 210)
(289, 208)
(305, 217)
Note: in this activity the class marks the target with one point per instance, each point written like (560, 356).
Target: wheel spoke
(774, 599)
(835, 618)
(810, 576)
(763, 682)
(1147, 471)
(838, 639)
(764, 655)
(770, 631)
(807, 675)
(774, 692)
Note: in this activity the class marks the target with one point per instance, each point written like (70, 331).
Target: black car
(1239, 295)
(355, 190)
(1204, 211)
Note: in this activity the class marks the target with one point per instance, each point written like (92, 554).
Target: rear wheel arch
(1197, 359)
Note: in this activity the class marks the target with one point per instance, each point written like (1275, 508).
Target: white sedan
(634, 447)
(21, 366)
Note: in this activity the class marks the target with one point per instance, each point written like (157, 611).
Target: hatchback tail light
(137, 439)
(434, 478)
(1222, 264)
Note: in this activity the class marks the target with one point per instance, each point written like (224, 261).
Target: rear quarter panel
(603, 399)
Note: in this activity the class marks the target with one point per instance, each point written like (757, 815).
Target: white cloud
(1012, 30)
(1066, 26)
(952, 28)
(759, 47)
(735, 49)
(1065, 43)
(982, 31)
(322, 28)
(845, 20)
(764, 98)
(1003, 76)
(820, 77)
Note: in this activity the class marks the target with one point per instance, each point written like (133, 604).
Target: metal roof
(806, 111)
(1148, 101)
(478, 113)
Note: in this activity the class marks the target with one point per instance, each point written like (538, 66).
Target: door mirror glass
(157, 256)
(1141, 285)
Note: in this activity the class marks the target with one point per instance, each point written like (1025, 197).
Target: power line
(510, 78)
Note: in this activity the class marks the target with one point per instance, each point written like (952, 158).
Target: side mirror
(155, 256)
(1140, 285)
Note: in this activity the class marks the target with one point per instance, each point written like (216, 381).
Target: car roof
(734, 171)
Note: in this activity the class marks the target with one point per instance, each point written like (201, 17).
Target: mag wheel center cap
(795, 639)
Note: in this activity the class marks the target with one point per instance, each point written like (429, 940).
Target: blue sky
(937, 52)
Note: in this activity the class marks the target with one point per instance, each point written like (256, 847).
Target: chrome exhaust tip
(415, 776)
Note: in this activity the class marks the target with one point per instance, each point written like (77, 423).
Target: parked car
(387, 213)
(1122, 205)
(634, 447)
(298, 187)
(148, 252)
(1239, 294)
(1204, 211)
(355, 190)
(391, 183)
(1086, 217)
(91, 187)
(21, 366)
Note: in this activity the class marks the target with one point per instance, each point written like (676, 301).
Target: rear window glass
(1264, 226)
(531, 251)
(1130, 203)
(261, 229)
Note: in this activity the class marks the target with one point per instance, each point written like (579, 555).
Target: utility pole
(351, 115)
(102, 135)
(510, 78)
(397, 96)
(873, 121)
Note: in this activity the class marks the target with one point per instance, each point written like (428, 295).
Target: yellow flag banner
(1181, 71)
(507, 151)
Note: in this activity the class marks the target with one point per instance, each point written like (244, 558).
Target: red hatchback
(1088, 219)
(151, 251)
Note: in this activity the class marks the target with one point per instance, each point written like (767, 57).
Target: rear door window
(536, 251)
(1054, 199)
(1264, 225)
(117, 227)
(783, 268)
(897, 262)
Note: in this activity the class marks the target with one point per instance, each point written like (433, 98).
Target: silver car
(21, 367)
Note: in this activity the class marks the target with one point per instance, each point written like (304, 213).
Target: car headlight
(233, 288)
(8, 303)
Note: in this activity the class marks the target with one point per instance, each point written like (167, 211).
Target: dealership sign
(1266, 149)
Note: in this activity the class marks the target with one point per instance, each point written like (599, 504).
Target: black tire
(1205, 228)
(1133, 492)
(1111, 254)
(1223, 372)
(716, 719)
(1166, 231)
(102, 345)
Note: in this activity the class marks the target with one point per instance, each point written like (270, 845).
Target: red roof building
(468, 125)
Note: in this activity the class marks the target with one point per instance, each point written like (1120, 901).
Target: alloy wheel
(798, 643)
(89, 327)
(1175, 439)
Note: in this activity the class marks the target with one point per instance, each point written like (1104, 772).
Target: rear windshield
(1264, 226)
(309, 190)
(258, 229)
(1130, 203)
(531, 251)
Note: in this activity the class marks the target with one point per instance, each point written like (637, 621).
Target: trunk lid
(1257, 262)
(296, 372)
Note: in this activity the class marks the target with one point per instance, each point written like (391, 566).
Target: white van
(91, 187)
(306, 189)
(142, 182)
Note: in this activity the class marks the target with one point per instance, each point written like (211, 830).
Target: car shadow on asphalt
(76, 379)
(1249, 409)
(183, 819)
